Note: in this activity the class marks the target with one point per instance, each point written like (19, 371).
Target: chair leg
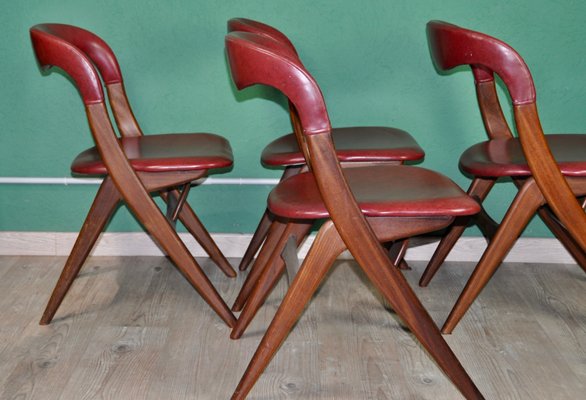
(523, 208)
(397, 292)
(560, 232)
(99, 214)
(478, 189)
(147, 212)
(275, 232)
(325, 249)
(563, 236)
(259, 236)
(445, 246)
(193, 224)
(486, 224)
(397, 253)
(262, 229)
(269, 275)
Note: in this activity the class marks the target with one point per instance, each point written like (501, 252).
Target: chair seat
(354, 144)
(504, 157)
(381, 191)
(163, 153)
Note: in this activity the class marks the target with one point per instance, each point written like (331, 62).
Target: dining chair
(360, 144)
(487, 167)
(133, 166)
(354, 145)
(104, 59)
(549, 170)
(361, 207)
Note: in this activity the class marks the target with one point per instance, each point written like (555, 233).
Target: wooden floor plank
(133, 328)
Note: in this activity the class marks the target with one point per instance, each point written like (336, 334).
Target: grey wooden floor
(132, 328)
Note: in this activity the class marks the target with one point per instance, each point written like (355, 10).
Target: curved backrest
(258, 59)
(452, 46)
(93, 46)
(103, 58)
(251, 26)
(55, 50)
(259, 28)
(446, 43)
(51, 50)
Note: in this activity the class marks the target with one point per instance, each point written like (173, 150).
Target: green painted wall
(370, 58)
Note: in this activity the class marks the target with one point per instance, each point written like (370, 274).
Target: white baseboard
(530, 250)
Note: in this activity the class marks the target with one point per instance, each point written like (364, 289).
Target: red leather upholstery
(248, 25)
(364, 144)
(250, 67)
(504, 157)
(69, 47)
(52, 51)
(163, 153)
(380, 191)
(95, 48)
(447, 42)
(356, 144)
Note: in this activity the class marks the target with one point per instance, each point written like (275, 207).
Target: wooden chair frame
(122, 183)
(496, 127)
(259, 60)
(546, 191)
(261, 233)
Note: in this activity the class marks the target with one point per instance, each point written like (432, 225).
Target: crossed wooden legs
(190, 220)
(563, 236)
(269, 266)
(479, 189)
(526, 203)
(326, 247)
(262, 230)
(523, 208)
(267, 271)
(161, 231)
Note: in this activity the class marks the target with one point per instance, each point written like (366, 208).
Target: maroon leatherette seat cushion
(353, 144)
(163, 153)
(504, 157)
(382, 190)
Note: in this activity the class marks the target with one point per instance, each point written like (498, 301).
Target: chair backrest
(251, 26)
(257, 59)
(91, 45)
(53, 48)
(259, 28)
(452, 46)
(103, 58)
